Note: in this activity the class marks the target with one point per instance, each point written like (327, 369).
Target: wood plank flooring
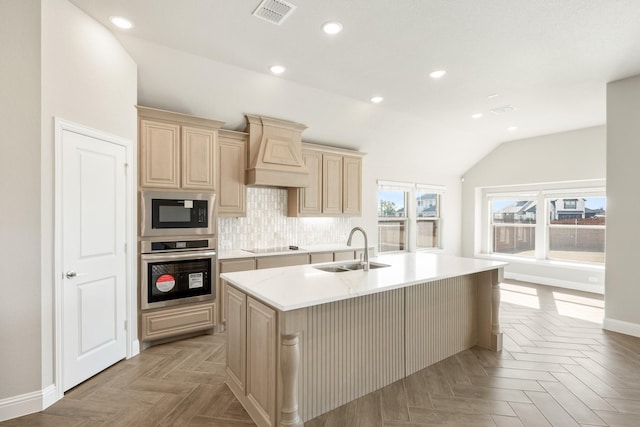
(558, 368)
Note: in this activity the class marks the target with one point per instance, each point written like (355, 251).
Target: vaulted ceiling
(548, 61)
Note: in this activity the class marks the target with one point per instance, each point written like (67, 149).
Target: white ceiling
(549, 59)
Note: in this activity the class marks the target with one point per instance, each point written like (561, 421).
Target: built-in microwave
(166, 213)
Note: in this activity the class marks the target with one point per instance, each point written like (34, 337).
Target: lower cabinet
(230, 266)
(282, 261)
(261, 359)
(236, 338)
(251, 355)
(344, 256)
(165, 323)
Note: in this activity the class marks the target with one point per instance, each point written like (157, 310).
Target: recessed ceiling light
(512, 128)
(121, 22)
(493, 95)
(476, 116)
(437, 74)
(278, 69)
(376, 99)
(332, 27)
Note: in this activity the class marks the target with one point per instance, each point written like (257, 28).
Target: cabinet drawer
(321, 257)
(344, 256)
(282, 261)
(177, 321)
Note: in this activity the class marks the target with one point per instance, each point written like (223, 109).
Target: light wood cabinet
(236, 339)
(230, 266)
(159, 154)
(331, 184)
(282, 261)
(177, 151)
(335, 183)
(318, 257)
(177, 321)
(352, 186)
(198, 154)
(308, 200)
(230, 168)
(261, 360)
(344, 256)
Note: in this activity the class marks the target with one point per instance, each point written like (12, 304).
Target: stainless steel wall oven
(177, 272)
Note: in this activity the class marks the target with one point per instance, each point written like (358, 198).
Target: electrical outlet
(593, 279)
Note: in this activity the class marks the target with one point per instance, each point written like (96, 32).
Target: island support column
(489, 334)
(291, 327)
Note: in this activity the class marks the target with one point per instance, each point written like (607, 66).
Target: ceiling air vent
(274, 11)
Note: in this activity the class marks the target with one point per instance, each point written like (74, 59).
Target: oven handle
(178, 256)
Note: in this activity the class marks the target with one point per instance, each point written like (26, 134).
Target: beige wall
(20, 204)
(567, 156)
(622, 296)
(59, 63)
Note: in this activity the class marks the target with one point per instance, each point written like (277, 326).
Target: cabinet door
(198, 154)
(159, 154)
(261, 360)
(332, 184)
(352, 186)
(230, 168)
(311, 197)
(236, 338)
(229, 266)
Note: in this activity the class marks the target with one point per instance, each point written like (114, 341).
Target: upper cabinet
(335, 184)
(177, 151)
(231, 161)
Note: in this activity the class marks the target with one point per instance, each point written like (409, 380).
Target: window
(409, 216)
(427, 220)
(513, 227)
(392, 220)
(577, 236)
(553, 224)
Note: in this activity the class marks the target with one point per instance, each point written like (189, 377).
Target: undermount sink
(352, 266)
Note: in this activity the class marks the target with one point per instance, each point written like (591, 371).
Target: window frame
(542, 194)
(411, 218)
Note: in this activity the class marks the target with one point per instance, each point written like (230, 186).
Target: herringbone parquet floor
(558, 368)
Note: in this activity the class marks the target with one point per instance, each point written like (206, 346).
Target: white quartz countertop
(291, 288)
(239, 253)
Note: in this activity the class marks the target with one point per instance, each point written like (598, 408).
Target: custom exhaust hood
(275, 153)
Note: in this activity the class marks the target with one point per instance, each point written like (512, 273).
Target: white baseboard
(577, 286)
(134, 349)
(28, 403)
(621, 326)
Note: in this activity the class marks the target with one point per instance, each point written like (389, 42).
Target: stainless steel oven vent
(274, 11)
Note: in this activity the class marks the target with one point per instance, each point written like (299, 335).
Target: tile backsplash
(267, 225)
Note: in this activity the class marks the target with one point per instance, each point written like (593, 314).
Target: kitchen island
(302, 341)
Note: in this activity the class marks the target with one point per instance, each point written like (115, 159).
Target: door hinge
(125, 325)
(126, 168)
(125, 248)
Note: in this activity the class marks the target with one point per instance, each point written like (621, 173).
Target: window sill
(546, 262)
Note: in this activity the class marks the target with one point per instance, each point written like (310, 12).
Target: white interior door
(93, 220)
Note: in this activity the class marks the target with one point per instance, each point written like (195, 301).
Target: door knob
(71, 274)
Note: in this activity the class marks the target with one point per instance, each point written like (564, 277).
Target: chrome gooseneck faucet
(366, 245)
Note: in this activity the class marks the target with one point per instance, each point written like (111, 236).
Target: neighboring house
(567, 209)
(559, 209)
(520, 211)
(426, 205)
